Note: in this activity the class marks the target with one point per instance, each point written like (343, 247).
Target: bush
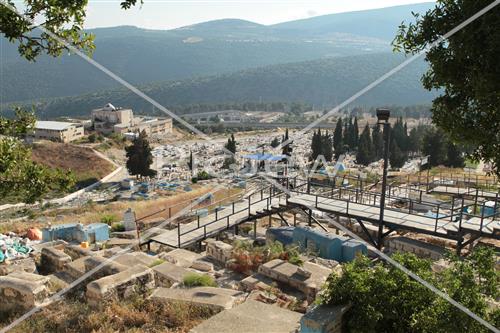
(117, 227)
(109, 219)
(198, 280)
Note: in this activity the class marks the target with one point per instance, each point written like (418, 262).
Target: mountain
(143, 56)
(324, 83)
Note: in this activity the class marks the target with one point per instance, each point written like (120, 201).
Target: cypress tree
(378, 143)
(338, 143)
(355, 133)
(327, 147)
(365, 153)
(139, 157)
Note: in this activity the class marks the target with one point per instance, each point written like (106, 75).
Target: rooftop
(52, 125)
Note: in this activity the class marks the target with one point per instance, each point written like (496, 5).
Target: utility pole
(383, 118)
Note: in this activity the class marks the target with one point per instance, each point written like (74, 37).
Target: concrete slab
(134, 258)
(216, 298)
(181, 257)
(136, 279)
(167, 274)
(251, 317)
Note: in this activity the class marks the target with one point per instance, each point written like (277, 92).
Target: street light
(383, 119)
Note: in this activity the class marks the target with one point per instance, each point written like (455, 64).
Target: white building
(57, 131)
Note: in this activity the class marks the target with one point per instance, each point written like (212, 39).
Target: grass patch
(157, 262)
(198, 280)
(117, 227)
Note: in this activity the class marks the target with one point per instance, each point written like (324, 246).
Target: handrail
(224, 217)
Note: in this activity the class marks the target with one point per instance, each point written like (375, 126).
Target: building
(111, 119)
(57, 131)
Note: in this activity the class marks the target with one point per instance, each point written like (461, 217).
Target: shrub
(157, 262)
(109, 219)
(198, 280)
(117, 227)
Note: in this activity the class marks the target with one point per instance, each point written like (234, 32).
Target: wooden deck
(395, 219)
(190, 233)
(211, 224)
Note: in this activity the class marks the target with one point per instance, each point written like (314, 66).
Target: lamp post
(383, 119)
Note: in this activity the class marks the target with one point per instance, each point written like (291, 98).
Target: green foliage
(109, 219)
(338, 142)
(20, 177)
(464, 69)
(441, 150)
(383, 298)
(198, 280)
(117, 227)
(61, 20)
(366, 151)
(275, 142)
(321, 144)
(157, 262)
(231, 144)
(92, 138)
(139, 157)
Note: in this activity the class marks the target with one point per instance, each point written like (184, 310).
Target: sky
(169, 14)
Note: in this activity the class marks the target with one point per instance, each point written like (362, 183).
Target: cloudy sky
(168, 14)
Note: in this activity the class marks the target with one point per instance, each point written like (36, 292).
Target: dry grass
(91, 213)
(87, 166)
(133, 315)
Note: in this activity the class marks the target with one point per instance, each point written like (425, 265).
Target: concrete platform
(251, 317)
(215, 298)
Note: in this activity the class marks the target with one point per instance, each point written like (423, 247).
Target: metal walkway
(451, 222)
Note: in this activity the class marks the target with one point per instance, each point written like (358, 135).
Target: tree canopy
(139, 157)
(63, 19)
(20, 177)
(465, 69)
(384, 299)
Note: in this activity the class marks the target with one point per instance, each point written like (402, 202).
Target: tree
(355, 132)
(231, 144)
(366, 152)
(384, 299)
(139, 157)
(64, 19)
(378, 142)
(396, 157)
(286, 149)
(327, 146)
(337, 139)
(275, 142)
(464, 68)
(454, 158)
(316, 143)
(21, 179)
(191, 163)
(433, 144)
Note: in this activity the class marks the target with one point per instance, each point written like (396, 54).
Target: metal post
(437, 217)
(198, 221)
(310, 217)
(482, 219)
(179, 235)
(384, 184)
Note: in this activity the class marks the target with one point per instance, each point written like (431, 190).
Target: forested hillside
(322, 83)
(212, 48)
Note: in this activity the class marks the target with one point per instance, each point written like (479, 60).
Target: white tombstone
(129, 220)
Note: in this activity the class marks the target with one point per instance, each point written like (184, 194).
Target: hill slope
(323, 82)
(212, 48)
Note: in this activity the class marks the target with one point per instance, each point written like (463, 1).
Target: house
(111, 119)
(57, 131)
